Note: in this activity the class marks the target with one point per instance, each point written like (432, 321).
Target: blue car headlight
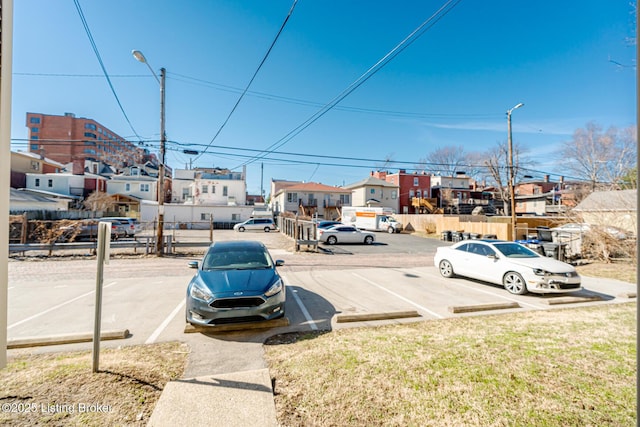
(274, 289)
(200, 292)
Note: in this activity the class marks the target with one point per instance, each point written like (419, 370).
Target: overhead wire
(102, 66)
(244, 92)
(388, 57)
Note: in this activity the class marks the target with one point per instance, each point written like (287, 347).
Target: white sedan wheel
(514, 283)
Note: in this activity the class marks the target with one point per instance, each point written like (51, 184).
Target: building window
(205, 216)
(205, 189)
(127, 187)
(50, 183)
(34, 120)
(235, 217)
(37, 182)
(90, 135)
(345, 199)
(35, 165)
(372, 191)
(144, 188)
(411, 194)
(34, 137)
(35, 130)
(213, 189)
(90, 126)
(34, 147)
(394, 194)
(416, 182)
(89, 151)
(225, 191)
(292, 197)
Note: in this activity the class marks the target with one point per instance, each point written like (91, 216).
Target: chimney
(78, 167)
(546, 178)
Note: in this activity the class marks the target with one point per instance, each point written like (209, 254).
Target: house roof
(622, 200)
(25, 196)
(50, 194)
(371, 181)
(313, 187)
(38, 157)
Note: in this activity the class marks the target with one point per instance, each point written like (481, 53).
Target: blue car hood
(229, 281)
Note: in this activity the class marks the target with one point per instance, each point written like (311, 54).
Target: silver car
(236, 281)
(345, 234)
(262, 224)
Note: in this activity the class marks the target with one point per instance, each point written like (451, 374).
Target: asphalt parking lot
(393, 281)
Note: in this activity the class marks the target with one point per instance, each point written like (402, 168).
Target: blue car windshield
(236, 260)
(515, 250)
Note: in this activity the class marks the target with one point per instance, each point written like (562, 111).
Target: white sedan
(345, 234)
(516, 267)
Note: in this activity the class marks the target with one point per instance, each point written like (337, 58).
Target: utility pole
(512, 179)
(163, 140)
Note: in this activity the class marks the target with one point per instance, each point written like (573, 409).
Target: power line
(104, 70)
(407, 41)
(264, 59)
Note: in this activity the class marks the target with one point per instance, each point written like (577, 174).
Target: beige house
(310, 199)
(374, 192)
(614, 208)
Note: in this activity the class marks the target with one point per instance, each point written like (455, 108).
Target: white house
(139, 186)
(219, 187)
(374, 192)
(59, 183)
(22, 201)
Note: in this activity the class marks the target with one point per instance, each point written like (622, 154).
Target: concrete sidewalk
(241, 399)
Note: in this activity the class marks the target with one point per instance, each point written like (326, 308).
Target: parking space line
(484, 291)
(154, 336)
(419, 307)
(55, 307)
(305, 312)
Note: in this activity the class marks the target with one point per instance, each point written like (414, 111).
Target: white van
(265, 224)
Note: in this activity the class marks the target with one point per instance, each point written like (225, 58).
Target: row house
(209, 186)
(23, 163)
(310, 199)
(409, 185)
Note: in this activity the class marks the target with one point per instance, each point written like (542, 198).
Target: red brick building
(68, 138)
(410, 185)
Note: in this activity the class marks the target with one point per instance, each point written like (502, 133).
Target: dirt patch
(61, 389)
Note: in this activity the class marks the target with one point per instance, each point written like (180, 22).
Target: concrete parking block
(363, 317)
(483, 307)
(267, 324)
(572, 300)
(65, 339)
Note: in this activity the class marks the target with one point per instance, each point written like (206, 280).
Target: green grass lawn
(564, 367)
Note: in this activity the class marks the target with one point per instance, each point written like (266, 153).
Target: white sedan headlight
(275, 288)
(539, 272)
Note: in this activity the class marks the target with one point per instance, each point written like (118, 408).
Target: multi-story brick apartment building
(410, 185)
(68, 139)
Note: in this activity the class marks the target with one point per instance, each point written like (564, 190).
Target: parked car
(516, 267)
(345, 234)
(88, 230)
(130, 225)
(236, 281)
(265, 224)
(325, 224)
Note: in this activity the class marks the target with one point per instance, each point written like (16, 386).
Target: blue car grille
(237, 302)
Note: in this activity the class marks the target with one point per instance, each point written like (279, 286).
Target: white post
(6, 52)
(104, 242)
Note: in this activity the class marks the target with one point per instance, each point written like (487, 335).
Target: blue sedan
(236, 281)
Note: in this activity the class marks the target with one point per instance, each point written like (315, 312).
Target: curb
(267, 324)
(65, 339)
(343, 318)
(483, 307)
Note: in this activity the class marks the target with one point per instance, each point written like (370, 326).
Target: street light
(163, 138)
(512, 194)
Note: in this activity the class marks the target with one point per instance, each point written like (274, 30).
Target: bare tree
(602, 158)
(448, 160)
(496, 161)
(98, 201)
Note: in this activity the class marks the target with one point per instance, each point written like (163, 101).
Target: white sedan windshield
(515, 250)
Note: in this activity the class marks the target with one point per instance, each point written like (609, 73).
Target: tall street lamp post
(163, 139)
(512, 195)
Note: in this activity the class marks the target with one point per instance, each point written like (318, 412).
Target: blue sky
(569, 62)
